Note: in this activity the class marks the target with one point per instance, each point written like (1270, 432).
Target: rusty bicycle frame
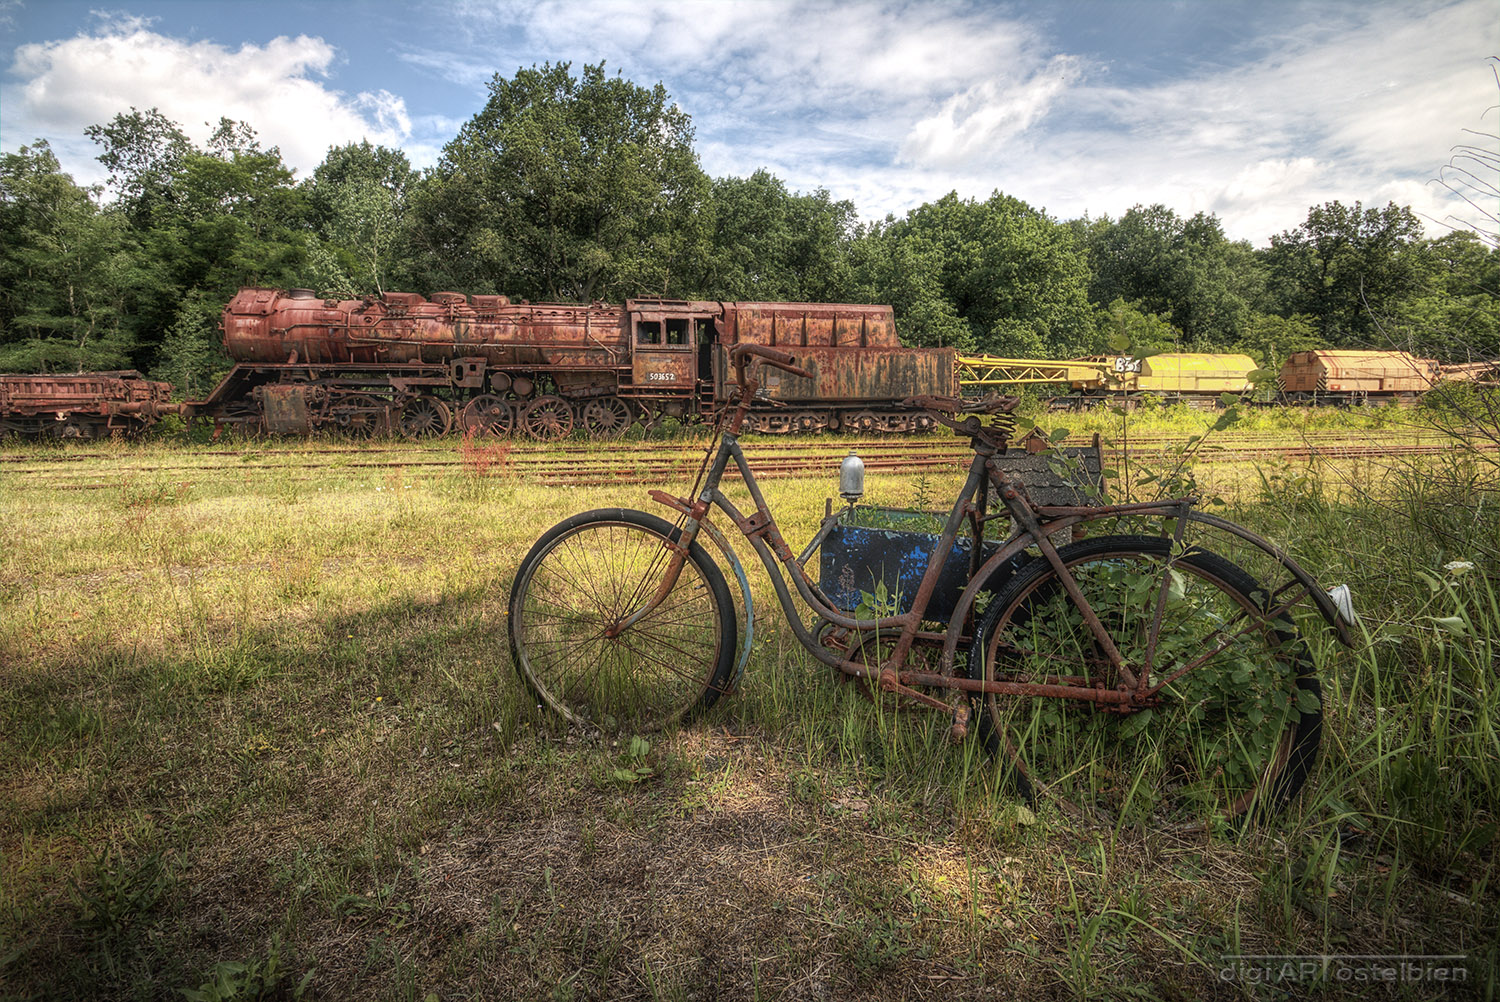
(1135, 688)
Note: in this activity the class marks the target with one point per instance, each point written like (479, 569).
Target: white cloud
(66, 85)
(985, 117)
(838, 61)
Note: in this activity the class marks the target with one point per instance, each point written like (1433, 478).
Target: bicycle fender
(739, 575)
(1320, 598)
(719, 539)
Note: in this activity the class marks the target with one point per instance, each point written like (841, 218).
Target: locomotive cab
(671, 346)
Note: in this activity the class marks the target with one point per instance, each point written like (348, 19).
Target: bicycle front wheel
(592, 572)
(1233, 736)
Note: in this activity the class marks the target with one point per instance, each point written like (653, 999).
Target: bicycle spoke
(1224, 728)
(580, 583)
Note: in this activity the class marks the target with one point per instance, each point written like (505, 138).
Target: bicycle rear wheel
(593, 571)
(1233, 737)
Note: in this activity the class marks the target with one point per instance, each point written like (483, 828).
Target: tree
(60, 289)
(1126, 324)
(1184, 270)
(566, 187)
(358, 200)
(1345, 266)
(142, 150)
(1016, 277)
(769, 244)
(201, 223)
(908, 276)
(1270, 339)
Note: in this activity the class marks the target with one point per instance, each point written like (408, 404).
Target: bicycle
(1135, 670)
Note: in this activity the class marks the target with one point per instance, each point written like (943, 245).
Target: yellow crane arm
(991, 370)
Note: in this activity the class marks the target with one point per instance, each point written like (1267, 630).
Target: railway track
(651, 462)
(694, 445)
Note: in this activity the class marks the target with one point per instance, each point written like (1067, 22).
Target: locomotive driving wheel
(358, 416)
(425, 417)
(487, 416)
(607, 417)
(547, 418)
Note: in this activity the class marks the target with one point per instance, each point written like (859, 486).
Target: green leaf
(1119, 341)
(1058, 435)
(1453, 624)
(1177, 590)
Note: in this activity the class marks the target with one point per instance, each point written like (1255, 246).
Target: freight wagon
(1354, 377)
(85, 405)
(1195, 378)
(491, 366)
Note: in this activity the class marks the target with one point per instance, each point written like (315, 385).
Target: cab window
(648, 332)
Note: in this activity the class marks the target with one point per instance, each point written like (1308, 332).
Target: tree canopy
(566, 187)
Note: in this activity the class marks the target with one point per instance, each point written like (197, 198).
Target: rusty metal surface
(790, 326)
(663, 368)
(269, 325)
(864, 375)
(286, 409)
(1363, 372)
(83, 405)
(665, 356)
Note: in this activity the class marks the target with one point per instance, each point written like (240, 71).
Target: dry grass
(265, 716)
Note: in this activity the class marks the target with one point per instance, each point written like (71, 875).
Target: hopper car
(487, 365)
(83, 406)
(1355, 377)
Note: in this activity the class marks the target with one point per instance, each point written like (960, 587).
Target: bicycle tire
(1232, 739)
(592, 570)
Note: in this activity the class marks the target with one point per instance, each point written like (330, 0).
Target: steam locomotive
(491, 366)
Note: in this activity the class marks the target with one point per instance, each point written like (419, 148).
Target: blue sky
(1252, 111)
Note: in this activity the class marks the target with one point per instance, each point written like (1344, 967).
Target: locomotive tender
(492, 366)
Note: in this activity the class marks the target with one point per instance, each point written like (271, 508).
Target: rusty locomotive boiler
(488, 365)
(84, 406)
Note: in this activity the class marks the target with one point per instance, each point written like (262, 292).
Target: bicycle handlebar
(742, 354)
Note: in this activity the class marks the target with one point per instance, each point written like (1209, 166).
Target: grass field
(260, 738)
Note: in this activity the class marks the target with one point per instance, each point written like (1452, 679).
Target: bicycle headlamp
(852, 478)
